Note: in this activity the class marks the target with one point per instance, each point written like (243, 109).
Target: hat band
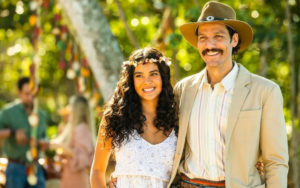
(211, 18)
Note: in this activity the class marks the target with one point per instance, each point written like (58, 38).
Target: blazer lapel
(239, 95)
(187, 105)
(188, 95)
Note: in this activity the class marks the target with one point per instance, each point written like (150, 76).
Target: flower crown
(148, 60)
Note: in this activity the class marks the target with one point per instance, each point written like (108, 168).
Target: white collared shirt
(207, 127)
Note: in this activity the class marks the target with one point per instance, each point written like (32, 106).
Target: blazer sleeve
(273, 141)
(83, 149)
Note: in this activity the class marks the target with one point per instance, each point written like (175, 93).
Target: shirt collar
(228, 81)
(204, 81)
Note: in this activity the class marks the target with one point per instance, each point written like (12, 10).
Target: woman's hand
(62, 150)
(113, 182)
(260, 167)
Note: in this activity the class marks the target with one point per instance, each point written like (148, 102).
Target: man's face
(26, 95)
(215, 45)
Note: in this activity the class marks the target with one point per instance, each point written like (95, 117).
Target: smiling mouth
(212, 53)
(148, 90)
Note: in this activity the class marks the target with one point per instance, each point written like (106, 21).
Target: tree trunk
(176, 76)
(101, 49)
(295, 134)
(163, 30)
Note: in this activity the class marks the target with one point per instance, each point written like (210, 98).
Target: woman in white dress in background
(139, 125)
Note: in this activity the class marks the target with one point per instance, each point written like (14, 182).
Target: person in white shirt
(139, 125)
(228, 118)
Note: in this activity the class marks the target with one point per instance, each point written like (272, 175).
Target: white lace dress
(140, 164)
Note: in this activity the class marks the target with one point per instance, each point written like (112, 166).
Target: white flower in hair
(125, 63)
(129, 63)
(169, 63)
(148, 60)
(153, 60)
(166, 60)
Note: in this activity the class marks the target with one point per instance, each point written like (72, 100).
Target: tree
(97, 42)
(139, 23)
(296, 135)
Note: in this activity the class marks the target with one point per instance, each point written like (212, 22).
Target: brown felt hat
(215, 12)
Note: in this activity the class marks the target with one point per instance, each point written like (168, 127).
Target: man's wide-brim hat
(215, 12)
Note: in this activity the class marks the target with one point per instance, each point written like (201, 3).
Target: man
(229, 118)
(16, 130)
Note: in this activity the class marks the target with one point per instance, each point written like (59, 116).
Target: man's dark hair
(22, 81)
(231, 32)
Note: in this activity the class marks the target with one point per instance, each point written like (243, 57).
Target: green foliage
(267, 17)
(50, 154)
(17, 51)
(52, 132)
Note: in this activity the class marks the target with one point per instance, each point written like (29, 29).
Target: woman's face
(147, 81)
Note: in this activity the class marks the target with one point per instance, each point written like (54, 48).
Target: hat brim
(242, 28)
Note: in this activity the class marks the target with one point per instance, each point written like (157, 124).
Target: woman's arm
(98, 169)
(61, 149)
(100, 162)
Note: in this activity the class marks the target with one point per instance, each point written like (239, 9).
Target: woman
(75, 145)
(139, 125)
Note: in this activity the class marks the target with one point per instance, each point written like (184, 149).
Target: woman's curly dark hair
(124, 114)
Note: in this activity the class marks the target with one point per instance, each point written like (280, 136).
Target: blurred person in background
(16, 129)
(52, 166)
(64, 113)
(75, 145)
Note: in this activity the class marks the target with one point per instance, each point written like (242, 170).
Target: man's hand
(21, 137)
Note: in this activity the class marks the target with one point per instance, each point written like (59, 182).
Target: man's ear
(235, 40)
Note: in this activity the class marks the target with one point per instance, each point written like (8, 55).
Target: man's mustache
(204, 52)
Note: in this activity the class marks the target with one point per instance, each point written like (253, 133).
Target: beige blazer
(256, 130)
